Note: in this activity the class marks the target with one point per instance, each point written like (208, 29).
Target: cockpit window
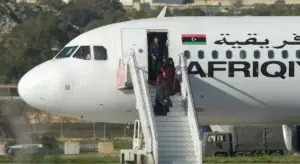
(66, 52)
(83, 52)
(100, 53)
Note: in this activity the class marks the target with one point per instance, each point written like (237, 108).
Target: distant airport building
(215, 2)
(269, 2)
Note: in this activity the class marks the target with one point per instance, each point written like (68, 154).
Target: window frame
(79, 48)
(213, 137)
(93, 50)
(56, 56)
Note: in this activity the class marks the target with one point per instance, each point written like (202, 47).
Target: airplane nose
(33, 87)
(32, 92)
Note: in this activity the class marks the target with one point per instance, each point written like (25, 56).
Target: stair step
(176, 149)
(171, 119)
(176, 153)
(171, 114)
(173, 124)
(161, 123)
(175, 144)
(173, 129)
(177, 105)
(177, 160)
(174, 134)
(174, 139)
(177, 109)
(176, 98)
(184, 155)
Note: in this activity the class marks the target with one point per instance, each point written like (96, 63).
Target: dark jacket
(154, 50)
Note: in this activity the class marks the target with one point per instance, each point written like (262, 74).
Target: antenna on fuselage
(162, 13)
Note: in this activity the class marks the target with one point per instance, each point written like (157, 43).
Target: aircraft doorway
(163, 50)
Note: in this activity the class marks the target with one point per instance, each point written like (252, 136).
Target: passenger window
(187, 54)
(243, 54)
(271, 54)
(100, 53)
(256, 54)
(298, 54)
(215, 54)
(200, 54)
(83, 52)
(228, 54)
(285, 54)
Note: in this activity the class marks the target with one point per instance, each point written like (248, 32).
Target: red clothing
(168, 79)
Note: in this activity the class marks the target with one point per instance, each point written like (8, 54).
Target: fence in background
(60, 127)
(83, 130)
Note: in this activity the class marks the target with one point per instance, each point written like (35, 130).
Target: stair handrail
(190, 107)
(139, 98)
(151, 116)
(147, 114)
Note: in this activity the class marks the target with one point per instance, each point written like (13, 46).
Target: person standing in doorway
(155, 58)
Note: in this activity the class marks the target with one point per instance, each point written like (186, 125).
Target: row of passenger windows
(243, 54)
(84, 52)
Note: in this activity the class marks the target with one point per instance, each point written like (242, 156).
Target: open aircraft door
(137, 39)
(132, 39)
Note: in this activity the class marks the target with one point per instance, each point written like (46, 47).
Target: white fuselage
(93, 94)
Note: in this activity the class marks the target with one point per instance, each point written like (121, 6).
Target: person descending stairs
(166, 85)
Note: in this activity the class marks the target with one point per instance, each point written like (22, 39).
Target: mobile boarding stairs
(170, 139)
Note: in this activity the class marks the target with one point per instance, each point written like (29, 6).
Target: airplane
(242, 70)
